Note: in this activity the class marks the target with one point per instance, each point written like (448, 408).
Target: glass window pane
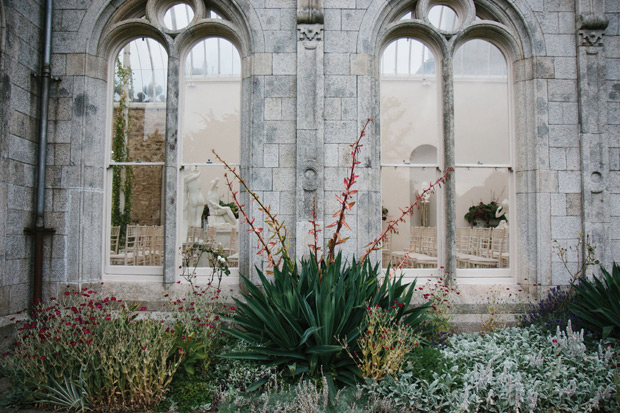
(136, 236)
(210, 120)
(213, 57)
(178, 16)
(410, 116)
(147, 64)
(443, 18)
(416, 240)
(481, 115)
(139, 120)
(210, 218)
(482, 217)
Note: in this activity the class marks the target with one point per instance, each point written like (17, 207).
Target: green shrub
(188, 394)
(122, 359)
(384, 345)
(237, 375)
(296, 322)
(198, 336)
(597, 303)
(516, 369)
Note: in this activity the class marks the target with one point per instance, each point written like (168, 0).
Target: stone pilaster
(310, 137)
(591, 75)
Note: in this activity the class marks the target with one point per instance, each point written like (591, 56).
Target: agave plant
(299, 320)
(597, 303)
(308, 319)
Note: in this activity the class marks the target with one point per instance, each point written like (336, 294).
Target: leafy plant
(296, 320)
(123, 360)
(122, 176)
(551, 311)
(187, 394)
(385, 343)
(70, 395)
(597, 302)
(515, 369)
(483, 212)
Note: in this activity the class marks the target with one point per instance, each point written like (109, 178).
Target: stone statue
(502, 211)
(218, 214)
(194, 200)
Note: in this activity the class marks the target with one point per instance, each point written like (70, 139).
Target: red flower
(555, 341)
(143, 347)
(142, 308)
(67, 293)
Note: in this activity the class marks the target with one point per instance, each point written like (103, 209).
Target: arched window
(169, 209)
(444, 106)
(211, 91)
(137, 157)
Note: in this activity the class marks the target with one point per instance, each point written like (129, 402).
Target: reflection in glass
(210, 120)
(482, 217)
(481, 113)
(178, 16)
(443, 18)
(136, 236)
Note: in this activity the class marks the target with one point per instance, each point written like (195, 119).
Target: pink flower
(144, 348)
(142, 308)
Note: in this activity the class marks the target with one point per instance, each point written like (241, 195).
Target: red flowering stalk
(278, 230)
(377, 244)
(314, 247)
(344, 201)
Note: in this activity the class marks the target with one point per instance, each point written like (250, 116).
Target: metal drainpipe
(39, 229)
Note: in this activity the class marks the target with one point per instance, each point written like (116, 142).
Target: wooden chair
(115, 233)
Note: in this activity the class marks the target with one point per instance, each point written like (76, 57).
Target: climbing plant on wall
(122, 178)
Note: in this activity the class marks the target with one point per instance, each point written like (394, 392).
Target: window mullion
(171, 170)
(449, 238)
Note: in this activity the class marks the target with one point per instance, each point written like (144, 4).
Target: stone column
(170, 170)
(591, 75)
(310, 94)
(449, 161)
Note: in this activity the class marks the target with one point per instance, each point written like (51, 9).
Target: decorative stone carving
(591, 29)
(310, 179)
(310, 34)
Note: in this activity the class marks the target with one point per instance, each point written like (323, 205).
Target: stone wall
(309, 82)
(612, 94)
(19, 111)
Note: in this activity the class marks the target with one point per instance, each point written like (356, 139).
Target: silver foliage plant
(511, 370)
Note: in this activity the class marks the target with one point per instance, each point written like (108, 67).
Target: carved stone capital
(591, 29)
(591, 38)
(592, 22)
(310, 34)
